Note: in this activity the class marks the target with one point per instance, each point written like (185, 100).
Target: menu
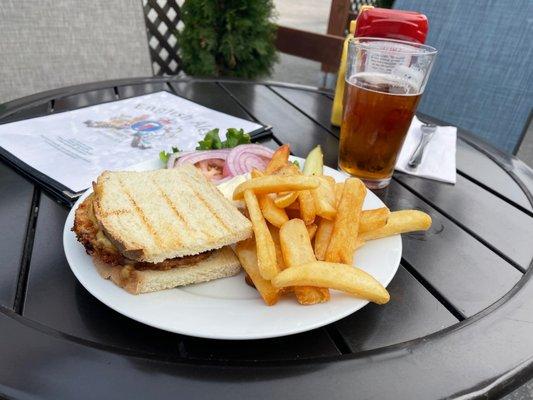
(74, 147)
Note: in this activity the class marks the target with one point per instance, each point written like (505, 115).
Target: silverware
(428, 131)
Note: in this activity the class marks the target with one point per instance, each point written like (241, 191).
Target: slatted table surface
(460, 322)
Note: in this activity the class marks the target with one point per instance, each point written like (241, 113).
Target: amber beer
(385, 79)
(378, 110)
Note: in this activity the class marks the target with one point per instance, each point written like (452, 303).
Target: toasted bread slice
(221, 264)
(98, 245)
(155, 215)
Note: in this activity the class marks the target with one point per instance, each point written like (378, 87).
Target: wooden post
(338, 17)
(337, 24)
(312, 46)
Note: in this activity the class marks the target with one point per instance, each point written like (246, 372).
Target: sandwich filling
(96, 243)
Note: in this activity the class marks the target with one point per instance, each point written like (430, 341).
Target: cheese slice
(227, 188)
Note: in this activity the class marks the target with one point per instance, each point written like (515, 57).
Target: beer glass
(385, 79)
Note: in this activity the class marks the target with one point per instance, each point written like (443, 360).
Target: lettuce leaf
(234, 137)
(211, 141)
(164, 156)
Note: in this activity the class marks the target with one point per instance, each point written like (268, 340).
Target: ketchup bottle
(409, 26)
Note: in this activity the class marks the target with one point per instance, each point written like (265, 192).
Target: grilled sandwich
(156, 230)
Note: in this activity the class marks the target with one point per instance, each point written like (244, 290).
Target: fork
(428, 131)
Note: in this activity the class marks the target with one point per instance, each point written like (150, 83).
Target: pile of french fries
(307, 228)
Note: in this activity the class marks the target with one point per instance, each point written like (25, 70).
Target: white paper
(74, 147)
(438, 161)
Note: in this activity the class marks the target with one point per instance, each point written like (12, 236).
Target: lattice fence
(355, 5)
(163, 21)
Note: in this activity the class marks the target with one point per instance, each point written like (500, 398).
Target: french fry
(293, 214)
(339, 188)
(296, 248)
(311, 230)
(256, 173)
(288, 170)
(307, 206)
(275, 184)
(295, 205)
(295, 243)
(324, 197)
(373, 219)
(248, 280)
(344, 236)
(286, 199)
(274, 232)
(342, 277)
(247, 254)
(325, 227)
(279, 159)
(400, 222)
(279, 255)
(266, 252)
(273, 214)
(331, 181)
(322, 237)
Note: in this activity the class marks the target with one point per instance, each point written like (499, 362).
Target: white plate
(228, 308)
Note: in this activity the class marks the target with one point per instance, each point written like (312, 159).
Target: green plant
(385, 3)
(227, 37)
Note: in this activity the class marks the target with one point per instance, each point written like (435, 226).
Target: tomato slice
(213, 169)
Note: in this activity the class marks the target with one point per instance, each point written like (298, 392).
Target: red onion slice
(210, 162)
(244, 158)
(237, 161)
(195, 156)
(172, 159)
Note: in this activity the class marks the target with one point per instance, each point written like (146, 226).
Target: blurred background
(309, 15)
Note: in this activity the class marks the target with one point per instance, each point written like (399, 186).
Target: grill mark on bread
(208, 206)
(178, 214)
(206, 203)
(140, 214)
(175, 210)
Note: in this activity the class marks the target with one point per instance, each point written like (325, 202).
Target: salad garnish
(234, 137)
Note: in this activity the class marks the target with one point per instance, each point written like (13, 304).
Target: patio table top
(459, 323)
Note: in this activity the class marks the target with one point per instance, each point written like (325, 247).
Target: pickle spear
(314, 163)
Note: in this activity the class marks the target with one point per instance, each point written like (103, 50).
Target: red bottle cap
(392, 24)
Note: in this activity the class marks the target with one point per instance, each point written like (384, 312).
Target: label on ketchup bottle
(383, 56)
(390, 57)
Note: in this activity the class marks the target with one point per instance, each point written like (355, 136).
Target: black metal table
(459, 325)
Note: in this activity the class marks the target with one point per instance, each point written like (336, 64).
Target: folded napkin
(438, 161)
